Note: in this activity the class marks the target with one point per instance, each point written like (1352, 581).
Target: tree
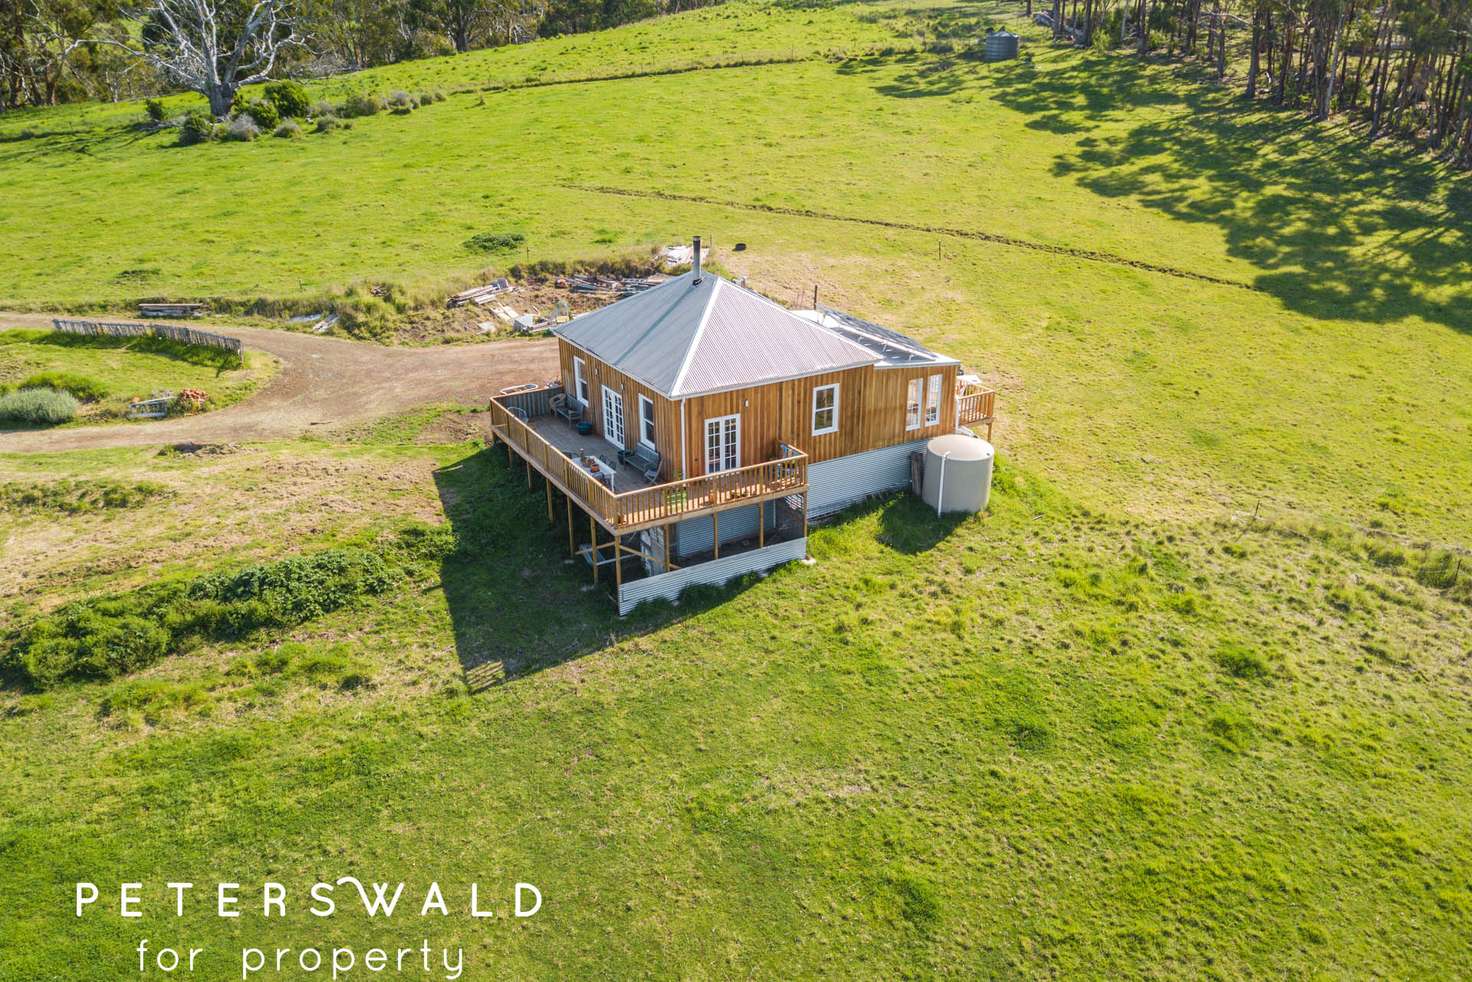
(214, 47)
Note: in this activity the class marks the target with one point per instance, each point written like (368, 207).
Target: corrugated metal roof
(684, 338)
(648, 334)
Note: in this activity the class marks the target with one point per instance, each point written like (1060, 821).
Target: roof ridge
(716, 283)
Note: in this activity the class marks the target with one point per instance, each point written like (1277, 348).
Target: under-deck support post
(550, 519)
(593, 544)
(510, 460)
(761, 525)
(666, 537)
(715, 529)
(572, 549)
(618, 564)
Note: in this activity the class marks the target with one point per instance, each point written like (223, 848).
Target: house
(699, 426)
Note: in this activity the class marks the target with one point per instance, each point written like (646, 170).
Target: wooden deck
(574, 445)
(547, 443)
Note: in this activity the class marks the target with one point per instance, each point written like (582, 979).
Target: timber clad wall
(871, 412)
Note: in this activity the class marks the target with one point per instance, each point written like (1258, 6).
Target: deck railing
(976, 407)
(787, 474)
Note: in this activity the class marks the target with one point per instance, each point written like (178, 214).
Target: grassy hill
(1191, 700)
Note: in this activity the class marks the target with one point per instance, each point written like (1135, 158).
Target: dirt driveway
(322, 382)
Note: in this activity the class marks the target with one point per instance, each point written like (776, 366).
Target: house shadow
(518, 602)
(910, 526)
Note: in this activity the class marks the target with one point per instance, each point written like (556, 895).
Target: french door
(613, 417)
(722, 444)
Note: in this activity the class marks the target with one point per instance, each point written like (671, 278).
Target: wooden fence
(170, 332)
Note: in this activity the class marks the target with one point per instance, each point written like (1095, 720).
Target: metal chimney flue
(695, 262)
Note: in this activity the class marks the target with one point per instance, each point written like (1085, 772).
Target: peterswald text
(324, 899)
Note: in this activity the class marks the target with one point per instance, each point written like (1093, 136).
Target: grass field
(126, 369)
(1191, 700)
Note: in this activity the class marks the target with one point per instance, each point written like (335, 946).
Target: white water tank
(957, 474)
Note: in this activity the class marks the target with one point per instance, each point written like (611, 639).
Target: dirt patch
(539, 295)
(456, 428)
(323, 381)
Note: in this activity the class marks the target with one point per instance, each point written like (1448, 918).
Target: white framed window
(579, 381)
(913, 395)
(825, 409)
(722, 444)
(646, 421)
(932, 400)
(613, 417)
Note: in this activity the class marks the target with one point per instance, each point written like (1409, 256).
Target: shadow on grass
(518, 602)
(1335, 227)
(910, 526)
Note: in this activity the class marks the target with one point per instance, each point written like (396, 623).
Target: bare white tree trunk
(201, 51)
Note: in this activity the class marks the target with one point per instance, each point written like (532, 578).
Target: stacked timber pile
(480, 295)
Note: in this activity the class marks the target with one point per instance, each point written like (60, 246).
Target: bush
(402, 102)
(1241, 662)
(289, 130)
(495, 241)
(425, 98)
(196, 127)
(322, 108)
(242, 129)
(361, 104)
(74, 497)
(264, 113)
(110, 636)
(326, 124)
(155, 109)
(80, 386)
(39, 406)
(296, 590)
(290, 98)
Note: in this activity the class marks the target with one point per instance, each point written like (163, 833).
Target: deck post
(618, 564)
(510, 460)
(572, 549)
(715, 530)
(593, 544)
(666, 538)
(528, 471)
(804, 515)
(550, 519)
(761, 525)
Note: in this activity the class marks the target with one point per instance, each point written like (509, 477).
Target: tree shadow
(1336, 227)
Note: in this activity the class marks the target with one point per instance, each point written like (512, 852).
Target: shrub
(73, 497)
(110, 636)
(289, 130)
(326, 124)
(322, 108)
(155, 109)
(242, 129)
(289, 97)
(299, 589)
(361, 104)
(83, 388)
(264, 113)
(1241, 662)
(402, 102)
(39, 406)
(425, 98)
(495, 241)
(196, 127)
